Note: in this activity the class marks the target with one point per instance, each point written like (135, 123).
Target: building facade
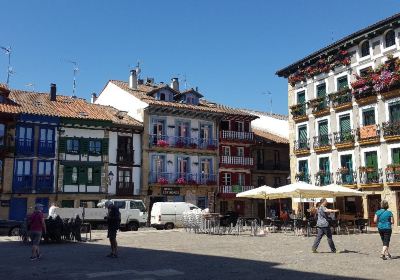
(344, 104)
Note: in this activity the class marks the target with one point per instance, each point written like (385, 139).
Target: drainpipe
(57, 163)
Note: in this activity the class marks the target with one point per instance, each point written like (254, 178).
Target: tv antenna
(75, 69)
(7, 50)
(270, 100)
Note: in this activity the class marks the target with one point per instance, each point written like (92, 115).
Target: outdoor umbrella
(338, 190)
(263, 192)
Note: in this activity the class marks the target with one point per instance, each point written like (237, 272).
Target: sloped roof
(36, 103)
(261, 135)
(142, 93)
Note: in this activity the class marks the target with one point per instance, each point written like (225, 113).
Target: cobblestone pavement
(157, 255)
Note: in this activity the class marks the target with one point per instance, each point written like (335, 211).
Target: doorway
(239, 207)
(374, 203)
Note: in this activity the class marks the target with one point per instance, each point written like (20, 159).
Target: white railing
(234, 189)
(227, 134)
(248, 161)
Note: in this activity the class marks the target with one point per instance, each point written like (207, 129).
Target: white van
(167, 215)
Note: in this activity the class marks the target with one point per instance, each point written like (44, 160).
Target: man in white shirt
(52, 210)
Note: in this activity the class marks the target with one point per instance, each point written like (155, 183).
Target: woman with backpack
(384, 219)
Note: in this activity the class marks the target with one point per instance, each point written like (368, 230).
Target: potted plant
(343, 170)
(180, 144)
(193, 145)
(162, 181)
(180, 181)
(396, 167)
(370, 169)
(162, 143)
(321, 172)
(390, 167)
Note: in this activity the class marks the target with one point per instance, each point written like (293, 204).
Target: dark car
(10, 228)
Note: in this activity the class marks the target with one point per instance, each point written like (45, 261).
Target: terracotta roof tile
(262, 135)
(40, 104)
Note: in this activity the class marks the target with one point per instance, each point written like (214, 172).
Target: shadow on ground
(87, 261)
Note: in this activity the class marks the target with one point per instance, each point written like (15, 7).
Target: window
(224, 125)
(45, 168)
(260, 181)
(67, 203)
(23, 168)
(240, 126)
(365, 49)
(124, 176)
(90, 175)
(303, 167)
(74, 176)
(260, 159)
(302, 134)
(183, 128)
(95, 147)
(371, 159)
(202, 202)
(301, 97)
(346, 162)
(2, 134)
(206, 166)
(321, 90)
(241, 179)
(342, 83)
(137, 205)
(365, 71)
(368, 116)
(396, 156)
(158, 127)
(277, 160)
(205, 131)
(162, 96)
(46, 135)
(158, 164)
(226, 151)
(226, 179)
(394, 112)
(183, 166)
(277, 182)
(344, 123)
(323, 129)
(390, 39)
(240, 151)
(73, 146)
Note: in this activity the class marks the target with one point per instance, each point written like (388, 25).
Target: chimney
(94, 97)
(133, 80)
(175, 84)
(53, 92)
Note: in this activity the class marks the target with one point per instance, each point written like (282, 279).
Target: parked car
(167, 215)
(10, 228)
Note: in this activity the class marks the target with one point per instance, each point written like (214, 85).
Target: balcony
(369, 135)
(236, 161)
(302, 147)
(393, 92)
(303, 177)
(231, 191)
(124, 188)
(323, 178)
(125, 156)
(22, 184)
(165, 141)
(365, 97)
(46, 148)
(299, 112)
(346, 177)
(165, 178)
(319, 106)
(344, 139)
(24, 146)
(391, 131)
(237, 135)
(322, 143)
(44, 184)
(341, 100)
(370, 177)
(270, 165)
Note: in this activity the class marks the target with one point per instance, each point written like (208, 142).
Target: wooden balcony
(366, 97)
(344, 140)
(320, 106)
(341, 100)
(392, 174)
(302, 147)
(392, 93)
(322, 143)
(236, 161)
(237, 136)
(369, 135)
(391, 131)
(124, 189)
(299, 112)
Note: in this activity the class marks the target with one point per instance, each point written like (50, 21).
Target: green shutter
(324, 164)
(62, 144)
(82, 175)
(394, 110)
(369, 116)
(344, 123)
(342, 83)
(321, 90)
(303, 167)
(396, 156)
(104, 146)
(323, 128)
(301, 97)
(67, 175)
(84, 146)
(302, 133)
(371, 159)
(96, 175)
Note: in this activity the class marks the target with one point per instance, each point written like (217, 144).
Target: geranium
(162, 143)
(383, 82)
(180, 181)
(162, 181)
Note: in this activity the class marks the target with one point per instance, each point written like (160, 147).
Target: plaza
(151, 254)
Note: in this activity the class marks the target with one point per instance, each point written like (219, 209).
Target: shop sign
(5, 203)
(170, 191)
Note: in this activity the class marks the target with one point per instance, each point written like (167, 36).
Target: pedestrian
(323, 226)
(52, 210)
(113, 222)
(384, 218)
(37, 226)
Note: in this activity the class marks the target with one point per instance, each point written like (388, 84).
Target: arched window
(390, 38)
(365, 49)
(162, 96)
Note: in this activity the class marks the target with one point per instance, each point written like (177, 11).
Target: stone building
(344, 113)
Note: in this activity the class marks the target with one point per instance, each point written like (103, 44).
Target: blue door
(45, 202)
(18, 209)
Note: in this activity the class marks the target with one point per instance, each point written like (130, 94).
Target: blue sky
(229, 49)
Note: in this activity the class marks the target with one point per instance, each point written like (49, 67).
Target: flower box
(180, 181)
(179, 144)
(162, 181)
(193, 145)
(211, 147)
(192, 182)
(162, 143)
(211, 182)
(344, 170)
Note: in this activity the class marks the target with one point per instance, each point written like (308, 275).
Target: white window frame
(342, 114)
(317, 121)
(243, 179)
(359, 57)
(366, 65)
(305, 94)
(389, 151)
(301, 159)
(371, 149)
(360, 113)
(242, 124)
(317, 83)
(383, 40)
(225, 178)
(297, 129)
(340, 75)
(226, 148)
(344, 153)
(387, 104)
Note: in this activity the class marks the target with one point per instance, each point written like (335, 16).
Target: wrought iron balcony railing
(44, 184)
(234, 189)
(179, 178)
(319, 104)
(391, 129)
(302, 144)
(369, 175)
(341, 98)
(125, 156)
(165, 141)
(124, 188)
(346, 177)
(344, 137)
(323, 178)
(299, 110)
(323, 140)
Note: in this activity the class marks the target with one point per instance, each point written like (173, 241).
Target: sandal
(389, 256)
(383, 257)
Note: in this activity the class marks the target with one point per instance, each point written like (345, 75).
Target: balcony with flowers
(303, 177)
(299, 112)
(391, 131)
(346, 177)
(182, 179)
(185, 143)
(322, 143)
(369, 134)
(319, 106)
(342, 99)
(370, 177)
(302, 146)
(392, 174)
(363, 89)
(344, 139)
(323, 178)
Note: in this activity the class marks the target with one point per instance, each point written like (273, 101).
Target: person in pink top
(37, 226)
